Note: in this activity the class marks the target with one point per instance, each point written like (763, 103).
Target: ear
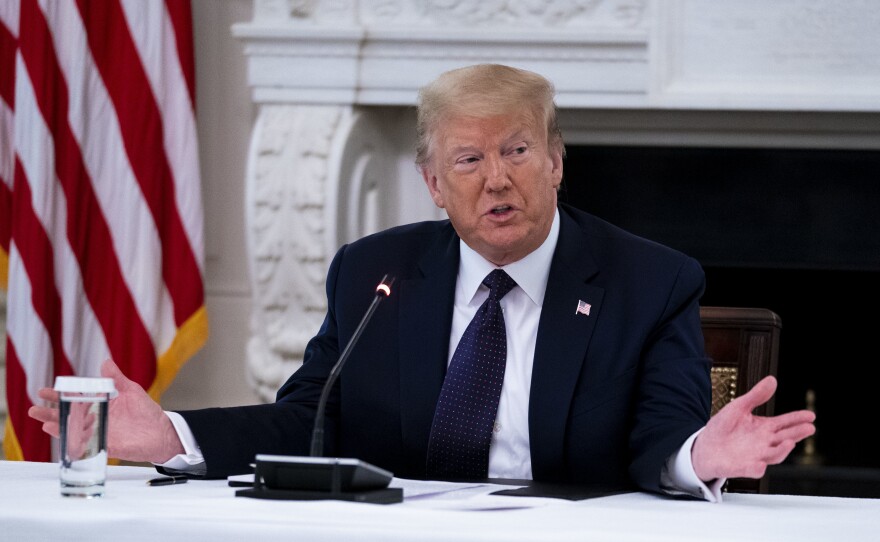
(433, 188)
(556, 167)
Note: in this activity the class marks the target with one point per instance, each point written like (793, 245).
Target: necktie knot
(499, 283)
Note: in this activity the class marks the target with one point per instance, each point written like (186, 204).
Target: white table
(31, 509)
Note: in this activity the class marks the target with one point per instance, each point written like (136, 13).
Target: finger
(785, 441)
(52, 429)
(48, 394)
(775, 455)
(43, 414)
(790, 419)
(49, 418)
(795, 433)
(109, 369)
(89, 425)
(759, 394)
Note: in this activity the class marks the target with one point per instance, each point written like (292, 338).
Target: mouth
(500, 210)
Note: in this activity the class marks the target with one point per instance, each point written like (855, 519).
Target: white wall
(216, 375)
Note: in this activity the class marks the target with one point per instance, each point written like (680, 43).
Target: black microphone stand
(318, 478)
(382, 291)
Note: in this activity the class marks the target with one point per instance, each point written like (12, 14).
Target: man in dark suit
(603, 378)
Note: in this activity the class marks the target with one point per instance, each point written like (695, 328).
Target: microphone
(315, 477)
(383, 290)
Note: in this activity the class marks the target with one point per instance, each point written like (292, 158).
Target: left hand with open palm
(738, 444)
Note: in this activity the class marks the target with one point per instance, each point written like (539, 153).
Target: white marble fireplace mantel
(335, 82)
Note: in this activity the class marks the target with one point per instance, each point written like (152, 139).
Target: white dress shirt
(509, 455)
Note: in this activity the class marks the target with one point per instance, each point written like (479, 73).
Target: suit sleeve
(674, 391)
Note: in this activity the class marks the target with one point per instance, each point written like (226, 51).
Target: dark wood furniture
(743, 344)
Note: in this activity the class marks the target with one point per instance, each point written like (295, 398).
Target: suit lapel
(425, 324)
(560, 350)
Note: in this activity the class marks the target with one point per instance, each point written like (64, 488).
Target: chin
(503, 248)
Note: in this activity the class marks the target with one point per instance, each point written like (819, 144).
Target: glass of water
(83, 405)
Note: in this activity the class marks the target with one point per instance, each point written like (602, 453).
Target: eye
(518, 151)
(466, 164)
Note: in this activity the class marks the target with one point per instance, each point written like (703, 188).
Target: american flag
(101, 228)
(583, 308)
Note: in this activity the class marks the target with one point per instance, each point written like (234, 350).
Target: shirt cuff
(191, 461)
(678, 477)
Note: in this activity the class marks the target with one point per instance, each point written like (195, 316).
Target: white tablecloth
(31, 509)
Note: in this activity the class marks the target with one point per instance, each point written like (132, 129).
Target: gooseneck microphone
(383, 290)
(314, 477)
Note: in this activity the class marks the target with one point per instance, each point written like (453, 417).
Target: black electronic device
(318, 478)
(286, 477)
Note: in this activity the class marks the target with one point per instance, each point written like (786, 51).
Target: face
(496, 178)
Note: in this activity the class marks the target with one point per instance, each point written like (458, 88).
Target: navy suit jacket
(613, 393)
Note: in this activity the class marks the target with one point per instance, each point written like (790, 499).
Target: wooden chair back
(743, 344)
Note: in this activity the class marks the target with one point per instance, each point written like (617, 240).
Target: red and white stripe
(100, 206)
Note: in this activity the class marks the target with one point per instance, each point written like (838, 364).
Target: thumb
(109, 369)
(759, 394)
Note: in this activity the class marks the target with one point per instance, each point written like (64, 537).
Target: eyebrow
(518, 135)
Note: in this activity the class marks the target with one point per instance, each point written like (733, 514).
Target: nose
(496, 178)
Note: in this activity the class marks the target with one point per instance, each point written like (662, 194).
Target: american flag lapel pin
(582, 308)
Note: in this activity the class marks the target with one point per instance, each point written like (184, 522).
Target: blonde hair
(484, 90)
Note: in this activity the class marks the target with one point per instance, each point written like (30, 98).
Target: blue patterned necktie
(462, 430)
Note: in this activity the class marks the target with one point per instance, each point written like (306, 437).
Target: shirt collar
(530, 273)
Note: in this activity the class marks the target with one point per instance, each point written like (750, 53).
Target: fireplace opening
(793, 230)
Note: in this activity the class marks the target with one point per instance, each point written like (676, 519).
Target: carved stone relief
(339, 12)
(286, 195)
(318, 177)
(817, 54)
(457, 13)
